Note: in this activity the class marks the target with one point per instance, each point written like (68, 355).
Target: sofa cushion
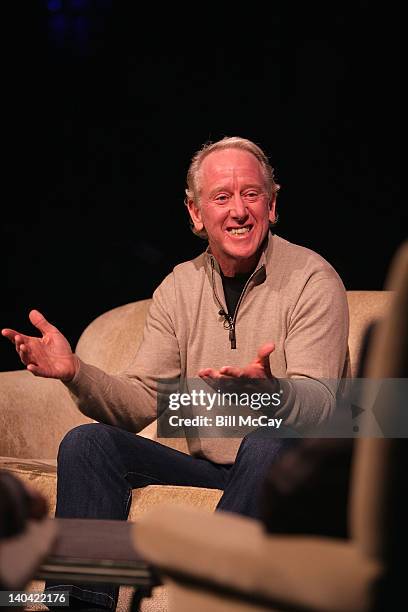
(43, 476)
(40, 474)
(35, 414)
(146, 498)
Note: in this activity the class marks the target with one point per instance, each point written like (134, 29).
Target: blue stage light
(54, 5)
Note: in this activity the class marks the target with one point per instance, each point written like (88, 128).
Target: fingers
(25, 354)
(21, 345)
(24, 346)
(231, 371)
(34, 369)
(10, 334)
(23, 350)
(210, 373)
(37, 319)
(40, 322)
(207, 373)
(17, 339)
(210, 376)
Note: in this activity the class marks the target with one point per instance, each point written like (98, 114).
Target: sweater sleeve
(129, 399)
(315, 351)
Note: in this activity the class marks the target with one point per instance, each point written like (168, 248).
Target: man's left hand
(258, 368)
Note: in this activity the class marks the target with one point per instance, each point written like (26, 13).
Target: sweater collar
(260, 272)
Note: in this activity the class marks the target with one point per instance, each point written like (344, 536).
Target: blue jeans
(99, 465)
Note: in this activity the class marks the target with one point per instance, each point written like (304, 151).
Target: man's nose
(238, 209)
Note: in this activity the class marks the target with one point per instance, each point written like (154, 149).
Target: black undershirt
(233, 287)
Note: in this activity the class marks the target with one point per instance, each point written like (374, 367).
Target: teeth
(239, 230)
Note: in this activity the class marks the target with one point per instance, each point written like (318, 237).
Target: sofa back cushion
(111, 341)
(365, 307)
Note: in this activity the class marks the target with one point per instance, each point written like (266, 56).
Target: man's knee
(78, 440)
(259, 446)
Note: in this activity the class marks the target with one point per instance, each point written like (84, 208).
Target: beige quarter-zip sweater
(294, 299)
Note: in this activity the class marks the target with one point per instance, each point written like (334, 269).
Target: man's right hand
(49, 356)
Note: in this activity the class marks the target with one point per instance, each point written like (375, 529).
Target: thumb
(265, 350)
(263, 356)
(40, 322)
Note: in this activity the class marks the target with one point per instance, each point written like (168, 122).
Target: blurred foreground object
(25, 535)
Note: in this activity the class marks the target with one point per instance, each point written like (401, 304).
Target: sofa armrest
(35, 414)
(233, 554)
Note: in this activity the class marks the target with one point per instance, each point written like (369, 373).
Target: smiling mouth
(239, 231)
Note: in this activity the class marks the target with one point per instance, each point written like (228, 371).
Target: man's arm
(127, 400)
(315, 350)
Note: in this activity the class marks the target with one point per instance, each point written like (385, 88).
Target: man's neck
(237, 268)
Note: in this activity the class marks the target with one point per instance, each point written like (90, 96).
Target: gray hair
(234, 142)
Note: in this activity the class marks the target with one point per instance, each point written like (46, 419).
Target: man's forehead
(230, 161)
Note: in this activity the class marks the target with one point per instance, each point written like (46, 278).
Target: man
(253, 306)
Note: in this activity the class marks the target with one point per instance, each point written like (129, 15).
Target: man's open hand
(49, 356)
(258, 368)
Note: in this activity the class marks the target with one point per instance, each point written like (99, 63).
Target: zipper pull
(229, 324)
(232, 337)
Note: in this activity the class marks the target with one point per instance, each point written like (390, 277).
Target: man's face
(234, 208)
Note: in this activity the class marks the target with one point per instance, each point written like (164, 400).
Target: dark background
(107, 101)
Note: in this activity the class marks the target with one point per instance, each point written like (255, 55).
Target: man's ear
(195, 214)
(272, 209)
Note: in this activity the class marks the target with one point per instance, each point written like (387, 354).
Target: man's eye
(251, 195)
(222, 198)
